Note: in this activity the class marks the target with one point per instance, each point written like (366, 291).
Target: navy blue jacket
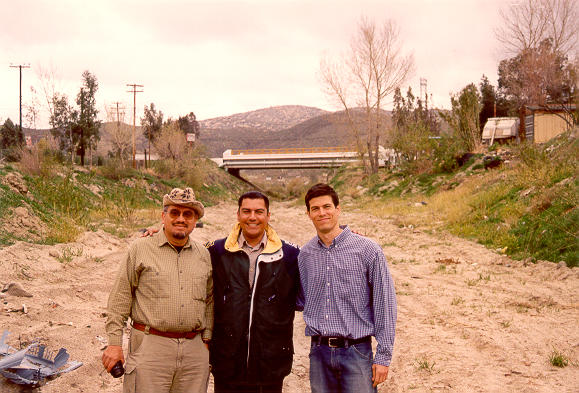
(253, 328)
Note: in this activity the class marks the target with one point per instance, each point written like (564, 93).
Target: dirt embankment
(470, 320)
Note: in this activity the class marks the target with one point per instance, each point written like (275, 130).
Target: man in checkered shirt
(165, 285)
(349, 297)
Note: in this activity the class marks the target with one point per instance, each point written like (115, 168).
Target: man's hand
(111, 355)
(150, 231)
(379, 374)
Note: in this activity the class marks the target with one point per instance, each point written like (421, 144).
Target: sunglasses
(187, 214)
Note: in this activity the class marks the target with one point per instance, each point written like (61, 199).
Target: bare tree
(373, 68)
(563, 25)
(527, 24)
(48, 83)
(171, 143)
(32, 109)
(118, 134)
(542, 38)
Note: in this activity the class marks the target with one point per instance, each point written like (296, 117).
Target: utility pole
(20, 67)
(134, 91)
(118, 111)
(424, 92)
(118, 136)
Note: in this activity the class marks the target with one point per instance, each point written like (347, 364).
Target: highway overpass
(288, 158)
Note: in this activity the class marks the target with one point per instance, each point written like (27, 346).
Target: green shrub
(531, 154)
(446, 152)
(116, 169)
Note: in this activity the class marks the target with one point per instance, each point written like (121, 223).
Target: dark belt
(339, 342)
(150, 330)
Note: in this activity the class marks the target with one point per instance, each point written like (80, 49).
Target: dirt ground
(469, 319)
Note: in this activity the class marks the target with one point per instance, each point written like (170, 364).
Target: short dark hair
(253, 195)
(319, 190)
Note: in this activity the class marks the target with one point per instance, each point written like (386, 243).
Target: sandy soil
(470, 319)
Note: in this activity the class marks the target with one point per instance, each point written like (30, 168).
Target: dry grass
(39, 160)
(63, 230)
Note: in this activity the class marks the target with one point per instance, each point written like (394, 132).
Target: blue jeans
(341, 370)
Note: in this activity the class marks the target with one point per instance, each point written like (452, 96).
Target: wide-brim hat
(185, 198)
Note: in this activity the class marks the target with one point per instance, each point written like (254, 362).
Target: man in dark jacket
(256, 283)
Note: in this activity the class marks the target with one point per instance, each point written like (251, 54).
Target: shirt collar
(338, 239)
(162, 239)
(242, 242)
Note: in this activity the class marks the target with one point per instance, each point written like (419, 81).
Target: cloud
(221, 57)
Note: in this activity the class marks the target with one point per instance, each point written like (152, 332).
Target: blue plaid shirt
(348, 291)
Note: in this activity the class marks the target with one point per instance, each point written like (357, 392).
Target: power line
(134, 91)
(424, 92)
(119, 110)
(20, 67)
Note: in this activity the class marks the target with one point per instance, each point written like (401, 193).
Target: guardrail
(287, 158)
(291, 150)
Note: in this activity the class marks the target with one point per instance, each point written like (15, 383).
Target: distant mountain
(326, 130)
(274, 118)
(275, 127)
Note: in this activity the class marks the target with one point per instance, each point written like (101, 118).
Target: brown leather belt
(150, 330)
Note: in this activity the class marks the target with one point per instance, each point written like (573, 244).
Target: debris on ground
(15, 289)
(33, 364)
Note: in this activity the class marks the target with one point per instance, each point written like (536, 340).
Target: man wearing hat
(165, 286)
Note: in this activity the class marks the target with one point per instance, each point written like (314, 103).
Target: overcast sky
(217, 58)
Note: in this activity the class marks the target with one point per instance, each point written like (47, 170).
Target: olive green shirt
(167, 290)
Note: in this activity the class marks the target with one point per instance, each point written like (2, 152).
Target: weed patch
(68, 254)
(558, 359)
(506, 324)
(425, 364)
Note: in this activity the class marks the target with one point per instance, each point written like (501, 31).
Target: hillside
(274, 118)
(275, 127)
(324, 130)
(525, 205)
(328, 129)
(53, 203)
(242, 130)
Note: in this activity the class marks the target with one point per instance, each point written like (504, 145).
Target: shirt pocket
(154, 283)
(199, 288)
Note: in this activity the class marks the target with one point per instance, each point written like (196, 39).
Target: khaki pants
(157, 364)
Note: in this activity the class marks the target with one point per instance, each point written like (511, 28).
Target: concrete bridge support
(237, 173)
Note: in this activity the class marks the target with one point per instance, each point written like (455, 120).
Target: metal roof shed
(500, 128)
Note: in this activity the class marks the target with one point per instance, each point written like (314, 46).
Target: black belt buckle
(334, 342)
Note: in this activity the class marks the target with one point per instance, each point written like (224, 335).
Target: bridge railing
(290, 150)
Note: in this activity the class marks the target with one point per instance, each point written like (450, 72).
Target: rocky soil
(470, 319)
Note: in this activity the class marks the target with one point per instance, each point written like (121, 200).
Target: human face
(178, 223)
(324, 214)
(253, 217)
